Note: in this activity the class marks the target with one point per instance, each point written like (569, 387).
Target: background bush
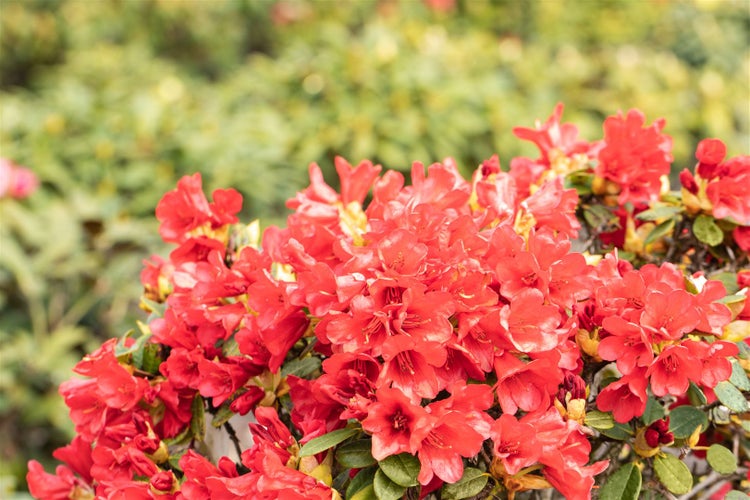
(111, 102)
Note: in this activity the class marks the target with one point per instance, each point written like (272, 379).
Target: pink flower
(16, 181)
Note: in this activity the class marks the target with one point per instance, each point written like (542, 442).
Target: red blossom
(634, 156)
(396, 424)
(626, 397)
(186, 209)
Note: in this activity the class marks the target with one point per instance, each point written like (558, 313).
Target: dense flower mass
(426, 334)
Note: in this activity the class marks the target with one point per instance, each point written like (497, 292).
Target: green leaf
(731, 397)
(360, 483)
(385, 488)
(151, 358)
(599, 420)
(355, 455)
(729, 279)
(739, 377)
(673, 474)
(471, 484)
(695, 395)
(683, 421)
(721, 459)
(736, 495)
(661, 212)
(618, 431)
(625, 484)
(598, 216)
(653, 412)
(326, 441)
(660, 230)
(121, 350)
(402, 468)
(366, 493)
(302, 368)
(198, 422)
(706, 230)
(223, 414)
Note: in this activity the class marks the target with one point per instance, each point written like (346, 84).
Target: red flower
(625, 398)
(530, 324)
(449, 438)
(59, 486)
(410, 366)
(77, 456)
(669, 315)
(728, 193)
(396, 424)
(514, 443)
(625, 343)
(634, 157)
(672, 371)
(186, 209)
(528, 386)
(553, 136)
(741, 235)
(709, 153)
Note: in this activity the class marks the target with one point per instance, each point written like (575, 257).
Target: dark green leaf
(731, 397)
(695, 395)
(471, 484)
(385, 488)
(683, 421)
(721, 459)
(360, 482)
(625, 484)
(223, 414)
(151, 358)
(661, 212)
(355, 455)
(673, 474)
(598, 216)
(599, 420)
(706, 230)
(654, 411)
(198, 422)
(326, 441)
(618, 431)
(661, 230)
(402, 468)
(302, 368)
(739, 377)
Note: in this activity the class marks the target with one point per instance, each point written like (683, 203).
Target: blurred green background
(110, 102)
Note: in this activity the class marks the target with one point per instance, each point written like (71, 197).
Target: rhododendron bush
(569, 322)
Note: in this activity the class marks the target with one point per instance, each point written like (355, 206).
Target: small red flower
(396, 424)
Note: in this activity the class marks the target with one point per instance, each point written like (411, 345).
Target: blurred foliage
(110, 102)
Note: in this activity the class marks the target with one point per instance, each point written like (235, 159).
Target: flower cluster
(435, 335)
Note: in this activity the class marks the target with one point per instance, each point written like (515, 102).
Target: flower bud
(643, 440)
